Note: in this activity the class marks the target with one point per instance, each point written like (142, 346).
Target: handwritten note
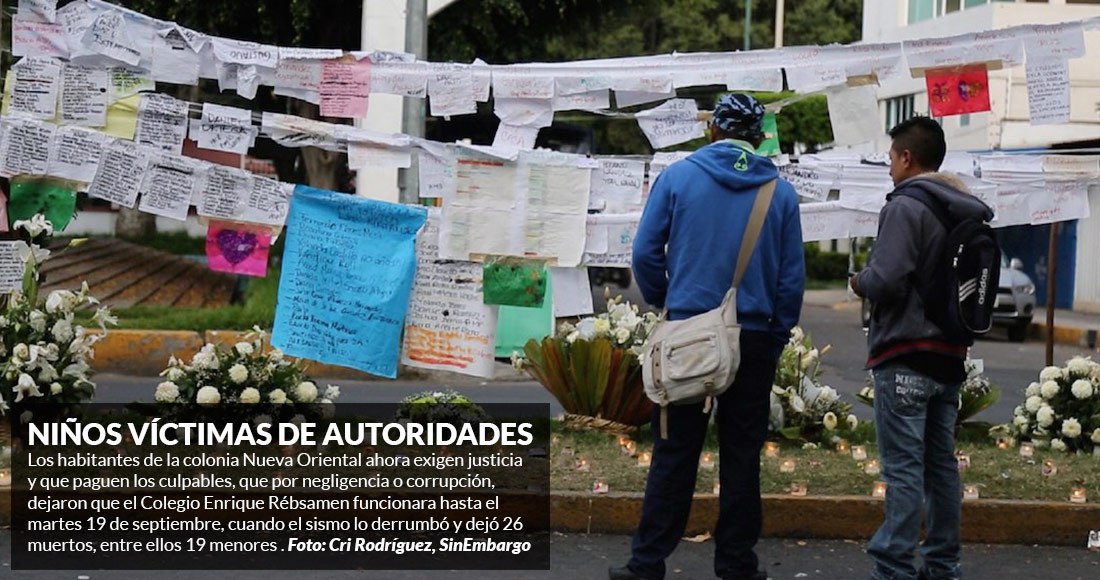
(673, 122)
(824, 221)
(225, 129)
(761, 79)
(557, 201)
(345, 88)
(127, 82)
(245, 53)
(572, 292)
(169, 183)
(589, 101)
(407, 79)
(1062, 41)
(1062, 201)
(516, 137)
(39, 9)
(518, 82)
(85, 96)
(1048, 95)
(848, 108)
(447, 326)
(237, 248)
(365, 250)
(298, 74)
(121, 169)
(451, 88)
(617, 185)
(361, 155)
(437, 174)
(76, 18)
(174, 61)
(37, 83)
(614, 235)
(76, 153)
(109, 35)
(33, 38)
(224, 192)
(1071, 166)
(162, 122)
(11, 267)
(632, 98)
(25, 147)
(810, 181)
(1014, 204)
(480, 218)
(816, 77)
(268, 203)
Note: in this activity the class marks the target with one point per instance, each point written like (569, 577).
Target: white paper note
(633, 98)
(25, 147)
(763, 79)
(556, 206)
(109, 35)
(361, 156)
(407, 79)
(168, 186)
(1071, 166)
(37, 84)
(11, 267)
(572, 292)
(268, 203)
(1062, 201)
(299, 74)
(849, 109)
(76, 18)
(174, 61)
(515, 137)
(33, 38)
(617, 185)
(85, 96)
(223, 192)
(126, 82)
(1014, 204)
(809, 181)
(451, 88)
(824, 221)
(676, 121)
(121, 169)
(590, 101)
(76, 153)
(519, 82)
(1048, 90)
(225, 129)
(1063, 41)
(437, 174)
(245, 53)
(45, 10)
(524, 112)
(816, 77)
(162, 122)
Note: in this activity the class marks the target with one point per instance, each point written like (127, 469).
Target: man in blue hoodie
(685, 253)
(917, 366)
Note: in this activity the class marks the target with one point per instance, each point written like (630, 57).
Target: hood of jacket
(735, 165)
(950, 190)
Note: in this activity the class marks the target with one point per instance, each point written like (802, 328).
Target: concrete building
(1006, 126)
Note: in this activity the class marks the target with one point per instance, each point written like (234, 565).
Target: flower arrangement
(977, 394)
(252, 379)
(592, 369)
(45, 352)
(802, 408)
(440, 407)
(1062, 409)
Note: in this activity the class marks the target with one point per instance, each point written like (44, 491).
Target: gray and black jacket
(908, 251)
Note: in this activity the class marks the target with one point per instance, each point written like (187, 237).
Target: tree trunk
(132, 223)
(323, 168)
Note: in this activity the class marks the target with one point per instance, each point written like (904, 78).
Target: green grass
(999, 474)
(825, 284)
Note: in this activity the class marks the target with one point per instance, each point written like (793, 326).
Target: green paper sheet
(56, 199)
(770, 146)
(515, 326)
(514, 282)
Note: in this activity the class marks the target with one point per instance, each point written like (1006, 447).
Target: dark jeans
(742, 425)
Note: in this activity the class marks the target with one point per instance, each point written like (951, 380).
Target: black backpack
(961, 298)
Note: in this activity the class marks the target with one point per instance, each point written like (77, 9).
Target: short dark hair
(923, 137)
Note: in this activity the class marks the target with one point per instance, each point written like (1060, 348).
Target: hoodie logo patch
(742, 162)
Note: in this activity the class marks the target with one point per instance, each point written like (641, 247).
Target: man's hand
(853, 288)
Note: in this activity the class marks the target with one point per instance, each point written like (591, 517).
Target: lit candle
(707, 461)
(880, 489)
(842, 446)
(787, 466)
(771, 449)
(600, 486)
(871, 468)
(717, 488)
(1004, 442)
(1049, 468)
(1027, 449)
(644, 459)
(582, 465)
(798, 489)
(859, 452)
(971, 492)
(5, 478)
(1078, 495)
(628, 447)
(964, 460)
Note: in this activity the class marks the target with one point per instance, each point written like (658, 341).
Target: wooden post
(1052, 272)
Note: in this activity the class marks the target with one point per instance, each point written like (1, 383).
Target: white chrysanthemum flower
(829, 420)
(1079, 366)
(37, 321)
(1096, 436)
(1057, 445)
(622, 335)
(238, 373)
(250, 396)
(853, 422)
(1071, 428)
(56, 388)
(208, 396)
(175, 374)
(21, 351)
(1032, 390)
(1020, 421)
(26, 387)
(1049, 389)
(809, 446)
(797, 335)
(1032, 404)
(1050, 374)
(573, 336)
(809, 359)
(797, 404)
(48, 373)
(167, 392)
(305, 392)
(61, 301)
(275, 354)
(1045, 416)
(1082, 388)
(62, 331)
(331, 392)
(244, 348)
(602, 326)
(827, 395)
(278, 396)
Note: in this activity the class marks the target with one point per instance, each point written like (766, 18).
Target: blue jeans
(915, 424)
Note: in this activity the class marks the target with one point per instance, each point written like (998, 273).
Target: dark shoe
(759, 575)
(624, 573)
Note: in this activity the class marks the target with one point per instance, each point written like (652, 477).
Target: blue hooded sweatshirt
(685, 251)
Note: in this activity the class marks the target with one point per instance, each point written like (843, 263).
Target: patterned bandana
(739, 114)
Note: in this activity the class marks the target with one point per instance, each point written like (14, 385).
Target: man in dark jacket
(917, 367)
(685, 254)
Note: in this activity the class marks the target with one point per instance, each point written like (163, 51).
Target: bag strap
(752, 232)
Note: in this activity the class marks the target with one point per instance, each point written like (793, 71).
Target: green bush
(825, 265)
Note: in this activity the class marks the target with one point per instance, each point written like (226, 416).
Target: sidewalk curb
(827, 517)
(145, 353)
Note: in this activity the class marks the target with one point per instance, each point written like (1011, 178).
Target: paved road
(1010, 365)
(586, 557)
